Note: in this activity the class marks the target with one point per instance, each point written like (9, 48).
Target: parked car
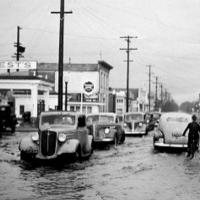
(151, 119)
(169, 132)
(134, 123)
(61, 135)
(8, 119)
(106, 128)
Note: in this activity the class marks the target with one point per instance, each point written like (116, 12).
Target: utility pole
(61, 50)
(20, 49)
(149, 96)
(156, 94)
(161, 87)
(128, 49)
(18, 37)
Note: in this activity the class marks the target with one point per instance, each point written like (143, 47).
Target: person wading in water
(193, 136)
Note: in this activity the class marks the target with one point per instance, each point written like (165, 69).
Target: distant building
(137, 100)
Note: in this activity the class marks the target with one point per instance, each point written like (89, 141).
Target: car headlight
(161, 140)
(62, 137)
(107, 130)
(35, 137)
(140, 124)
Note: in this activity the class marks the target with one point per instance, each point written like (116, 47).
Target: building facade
(138, 100)
(86, 86)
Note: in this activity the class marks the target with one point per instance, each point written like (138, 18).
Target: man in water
(193, 136)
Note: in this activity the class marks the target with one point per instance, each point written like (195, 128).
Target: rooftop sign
(21, 65)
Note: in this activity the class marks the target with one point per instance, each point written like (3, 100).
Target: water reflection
(62, 183)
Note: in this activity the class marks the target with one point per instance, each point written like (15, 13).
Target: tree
(170, 106)
(187, 106)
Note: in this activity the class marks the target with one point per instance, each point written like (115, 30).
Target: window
(89, 109)
(72, 108)
(21, 109)
(78, 109)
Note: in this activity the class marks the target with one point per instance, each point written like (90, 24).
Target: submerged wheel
(78, 155)
(13, 129)
(123, 137)
(115, 140)
(26, 157)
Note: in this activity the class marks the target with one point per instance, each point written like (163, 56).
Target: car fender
(70, 146)
(27, 145)
(158, 134)
(90, 140)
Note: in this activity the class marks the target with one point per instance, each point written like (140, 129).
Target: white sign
(88, 86)
(21, 65)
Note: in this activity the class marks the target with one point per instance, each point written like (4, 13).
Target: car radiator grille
(48, 143)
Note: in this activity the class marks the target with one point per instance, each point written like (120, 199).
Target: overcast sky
(168, 34)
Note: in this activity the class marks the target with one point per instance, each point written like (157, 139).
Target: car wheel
(26, 157)
(13, 129)
(115, 140)
(123, 137)
(78, 153)
(92, 147)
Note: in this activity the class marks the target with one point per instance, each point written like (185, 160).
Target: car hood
(58, 128)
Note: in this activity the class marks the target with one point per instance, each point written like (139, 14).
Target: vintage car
(169, 132)
(106, 128)
(61, 135)
(134, 123)
(151, 119)
(7, 119)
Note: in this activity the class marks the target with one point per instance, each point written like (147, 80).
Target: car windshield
(100, 118)
(177, 119)
(131, 117)
(58, 119)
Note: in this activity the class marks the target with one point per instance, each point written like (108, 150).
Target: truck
(8, 118)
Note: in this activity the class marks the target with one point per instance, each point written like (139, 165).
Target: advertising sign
(21, 65)
(88, 86)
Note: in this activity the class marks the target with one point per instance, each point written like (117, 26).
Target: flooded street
(129, 171)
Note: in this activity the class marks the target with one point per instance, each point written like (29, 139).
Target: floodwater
(129, 171)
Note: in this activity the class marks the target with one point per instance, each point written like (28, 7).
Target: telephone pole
(128, 49)
(61, 50)
(149, 96)
(20, 49)
(18, 37)
(156, 94)
(161, 87)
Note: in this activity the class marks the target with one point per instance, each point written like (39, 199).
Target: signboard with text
(21, 65)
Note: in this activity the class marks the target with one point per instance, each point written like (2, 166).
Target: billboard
(21, 65)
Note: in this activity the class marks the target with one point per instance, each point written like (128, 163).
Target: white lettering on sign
(21, 65)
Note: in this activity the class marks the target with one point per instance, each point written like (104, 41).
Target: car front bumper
(164, 145)
(103, 140)
(135, 132)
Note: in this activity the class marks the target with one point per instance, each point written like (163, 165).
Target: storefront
(30, 93)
